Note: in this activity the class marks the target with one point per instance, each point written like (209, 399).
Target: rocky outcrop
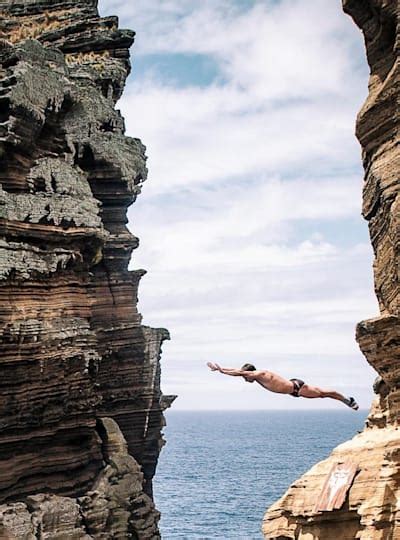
(73, 352)
(114, 507)
(371, 509)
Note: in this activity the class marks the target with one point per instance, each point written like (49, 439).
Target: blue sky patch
(345, 232)
(179, 70)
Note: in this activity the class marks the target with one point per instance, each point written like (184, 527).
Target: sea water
(220, 471)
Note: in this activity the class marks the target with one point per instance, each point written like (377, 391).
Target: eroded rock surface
(73, 352)
(371, 510)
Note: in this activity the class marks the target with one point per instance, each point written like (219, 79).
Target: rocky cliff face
(371, 510)
(79, 374)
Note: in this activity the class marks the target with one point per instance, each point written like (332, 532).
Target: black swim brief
(297, 384)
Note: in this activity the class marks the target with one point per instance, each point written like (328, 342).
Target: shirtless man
(275, 383)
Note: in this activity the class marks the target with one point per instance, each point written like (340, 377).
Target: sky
(250, 221)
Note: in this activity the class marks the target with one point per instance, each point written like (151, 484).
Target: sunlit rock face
(77, 368)
(371, 510)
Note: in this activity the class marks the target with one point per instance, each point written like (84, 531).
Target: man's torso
(274, 383)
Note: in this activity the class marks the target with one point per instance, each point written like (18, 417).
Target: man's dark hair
(248, 367)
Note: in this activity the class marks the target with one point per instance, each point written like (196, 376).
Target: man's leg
(311, 392)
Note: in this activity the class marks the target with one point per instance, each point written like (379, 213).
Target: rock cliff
(80, 400)
(371, 510)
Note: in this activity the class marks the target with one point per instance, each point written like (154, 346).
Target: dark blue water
(221, 470)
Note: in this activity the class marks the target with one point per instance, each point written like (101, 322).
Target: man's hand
(227, 371)
(214, 367)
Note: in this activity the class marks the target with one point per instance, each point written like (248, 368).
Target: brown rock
(370, 511)
(72, 348)
(115, 507)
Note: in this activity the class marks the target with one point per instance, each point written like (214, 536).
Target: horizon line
(261, 410)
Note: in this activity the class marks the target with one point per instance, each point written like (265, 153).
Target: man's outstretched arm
(226, 371)
(231, 371)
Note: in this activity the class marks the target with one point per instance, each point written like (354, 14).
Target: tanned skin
(275, 383)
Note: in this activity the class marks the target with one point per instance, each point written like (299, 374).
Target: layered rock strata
(371, 510)
(73, 352)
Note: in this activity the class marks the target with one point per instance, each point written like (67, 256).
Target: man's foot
(352, 403)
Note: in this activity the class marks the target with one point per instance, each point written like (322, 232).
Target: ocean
(220, 470)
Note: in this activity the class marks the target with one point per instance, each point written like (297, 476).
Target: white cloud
(201, 135)
(276, 50)
(241, 226)
(250, 176)
(291, 89)
(272, 48)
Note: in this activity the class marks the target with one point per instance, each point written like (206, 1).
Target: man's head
(248, 367)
